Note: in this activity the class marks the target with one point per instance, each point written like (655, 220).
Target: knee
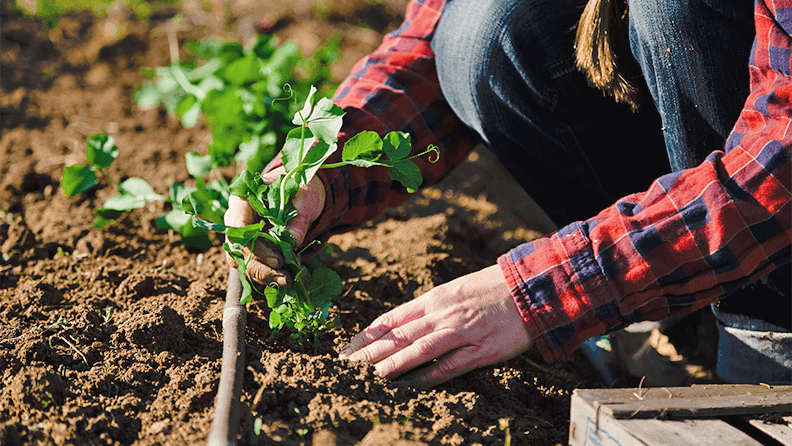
(651, 20)
(466, 37)
(488, 49)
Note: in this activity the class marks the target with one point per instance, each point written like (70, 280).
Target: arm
(394, 88)
(692, 238)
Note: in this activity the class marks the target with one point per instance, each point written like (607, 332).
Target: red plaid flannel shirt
(690, 239)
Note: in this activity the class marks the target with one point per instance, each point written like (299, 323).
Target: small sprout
(257, 426)
(108, 315)
(61, 253)
(46, 401)
(302, 432)
(5, 256)
(376, 421)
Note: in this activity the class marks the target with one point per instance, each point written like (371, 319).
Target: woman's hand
(464, 324)
(267, 264)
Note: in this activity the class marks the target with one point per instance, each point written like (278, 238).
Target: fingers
(422, 350)
(456, 363)
(266, 265)
(309, 203)
(381, 326)
(398, 338)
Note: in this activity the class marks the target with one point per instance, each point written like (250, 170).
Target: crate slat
(781, 432)
(677, 416)
(693, 401)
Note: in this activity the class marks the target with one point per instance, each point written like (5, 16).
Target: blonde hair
(602, 51)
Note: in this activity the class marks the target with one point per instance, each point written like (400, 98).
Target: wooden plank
(590, 427)
(779, 431)
(693, 401)
(699, 432)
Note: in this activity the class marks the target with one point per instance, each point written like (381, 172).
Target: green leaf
(124, 202)
(105, 217)
(274, 296)
(177, 192)
(224, 107)
(275, 321)
(407, 173)
(265, 45)
(315, 158)
(248, 150)
(189, 110)
(301, 117)
(243, 71)
(291, 148)
(229, 52)
(397, 145)
(195, 237)
(147, 95)
(174, 219)
(140, 188)
(325, 286)
(77, 179)
(101, 150)
(244, 235)
(326, 120)
(243, 184)
(365, 145)
(197, 165)
(209, 226)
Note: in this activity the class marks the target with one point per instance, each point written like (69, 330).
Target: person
(661, 212)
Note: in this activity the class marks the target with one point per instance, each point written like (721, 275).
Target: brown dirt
(148, 374)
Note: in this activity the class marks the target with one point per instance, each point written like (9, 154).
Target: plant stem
(178, 74)
(227, 405)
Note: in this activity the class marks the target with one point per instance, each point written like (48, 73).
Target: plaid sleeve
(394, 88)
(692, 238)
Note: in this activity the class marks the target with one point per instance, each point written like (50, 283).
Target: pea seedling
(303, 308)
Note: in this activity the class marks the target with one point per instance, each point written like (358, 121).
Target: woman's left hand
(464, 324)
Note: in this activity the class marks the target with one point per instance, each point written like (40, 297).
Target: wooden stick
(227, 405)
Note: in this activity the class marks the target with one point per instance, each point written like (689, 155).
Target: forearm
(394, 88)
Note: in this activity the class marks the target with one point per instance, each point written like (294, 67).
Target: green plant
(45, 402)
(50, 11)
(303, 307)
(235, 90)
(134, 193)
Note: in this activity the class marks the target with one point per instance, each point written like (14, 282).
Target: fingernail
(272, 262)
(281, 281)
(342, 356)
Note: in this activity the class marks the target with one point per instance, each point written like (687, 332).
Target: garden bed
(113, 336)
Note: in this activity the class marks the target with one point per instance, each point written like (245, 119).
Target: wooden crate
(703, 415)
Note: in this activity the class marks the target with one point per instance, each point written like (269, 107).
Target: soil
(146, 374)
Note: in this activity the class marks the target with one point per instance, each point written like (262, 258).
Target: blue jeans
(507, 69)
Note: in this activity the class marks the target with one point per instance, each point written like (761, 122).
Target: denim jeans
(507, 69)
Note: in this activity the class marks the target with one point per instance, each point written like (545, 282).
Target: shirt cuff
(561, 291)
